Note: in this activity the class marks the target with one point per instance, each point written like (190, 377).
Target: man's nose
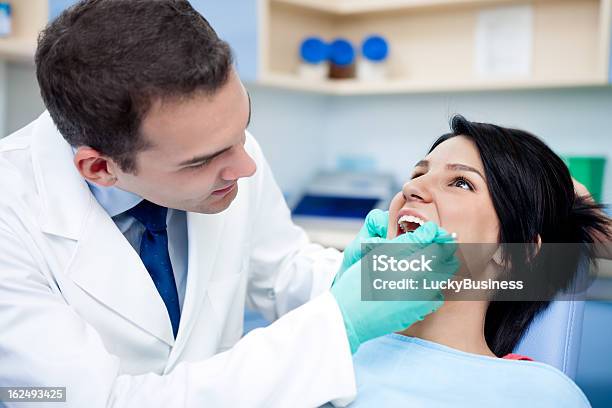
(242, 165)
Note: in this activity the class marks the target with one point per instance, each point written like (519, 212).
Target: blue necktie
(155, 256)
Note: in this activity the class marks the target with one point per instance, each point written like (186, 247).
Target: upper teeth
(404, 219)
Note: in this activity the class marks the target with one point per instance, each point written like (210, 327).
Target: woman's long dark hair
(533, 194)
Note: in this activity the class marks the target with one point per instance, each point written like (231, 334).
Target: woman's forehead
(458, 149)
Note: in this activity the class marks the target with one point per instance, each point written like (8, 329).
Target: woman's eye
(462, 183)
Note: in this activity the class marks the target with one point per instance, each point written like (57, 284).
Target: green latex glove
(374, 230)
(365, 320)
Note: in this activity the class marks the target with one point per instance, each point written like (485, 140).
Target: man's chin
(215, 205)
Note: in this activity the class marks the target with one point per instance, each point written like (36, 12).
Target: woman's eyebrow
(422, 163)
(464, 167)
(452, 166)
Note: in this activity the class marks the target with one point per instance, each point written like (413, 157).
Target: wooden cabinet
(433, 42)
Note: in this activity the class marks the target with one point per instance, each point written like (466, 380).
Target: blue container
(5, 19)
(342, 52)
(314, 50)
(375, 48)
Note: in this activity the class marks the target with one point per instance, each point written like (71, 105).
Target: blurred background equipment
(333, 206)
(589, 171)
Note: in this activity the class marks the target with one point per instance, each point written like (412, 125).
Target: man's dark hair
(533, 194)
(102, 63)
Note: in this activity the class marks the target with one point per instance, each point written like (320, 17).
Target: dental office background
(543, 66)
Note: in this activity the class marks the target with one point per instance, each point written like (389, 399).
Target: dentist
(138, 217)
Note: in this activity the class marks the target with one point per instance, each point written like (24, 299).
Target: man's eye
(462, 183)
(198, 166)
(416, 175)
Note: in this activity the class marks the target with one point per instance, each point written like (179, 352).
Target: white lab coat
(78, 308)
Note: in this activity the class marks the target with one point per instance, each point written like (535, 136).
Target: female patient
(489, 185)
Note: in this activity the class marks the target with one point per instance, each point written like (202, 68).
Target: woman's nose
(416, 190)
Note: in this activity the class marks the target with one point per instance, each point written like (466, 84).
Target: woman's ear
(535, 247)
(497, 256)
(538, 243)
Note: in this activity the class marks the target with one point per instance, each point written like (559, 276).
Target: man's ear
(94, 166)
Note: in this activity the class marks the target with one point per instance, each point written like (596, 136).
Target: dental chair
(554, 336)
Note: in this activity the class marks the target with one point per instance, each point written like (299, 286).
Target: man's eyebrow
(200, 159)
(464, 167)
(422, 163)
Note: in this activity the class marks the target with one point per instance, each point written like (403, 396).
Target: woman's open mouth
(408, 223)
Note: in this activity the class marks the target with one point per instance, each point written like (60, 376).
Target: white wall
(3, 96)
(398, 130)
(23, 101)
(301, 133)
(291, 131)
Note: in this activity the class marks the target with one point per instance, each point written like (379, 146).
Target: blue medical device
(333, 206)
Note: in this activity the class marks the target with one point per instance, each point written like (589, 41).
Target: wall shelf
(354, 87)
(348, 7)
(433, 43)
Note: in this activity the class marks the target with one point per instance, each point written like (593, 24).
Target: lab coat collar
(65, 198)
(104, 265)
